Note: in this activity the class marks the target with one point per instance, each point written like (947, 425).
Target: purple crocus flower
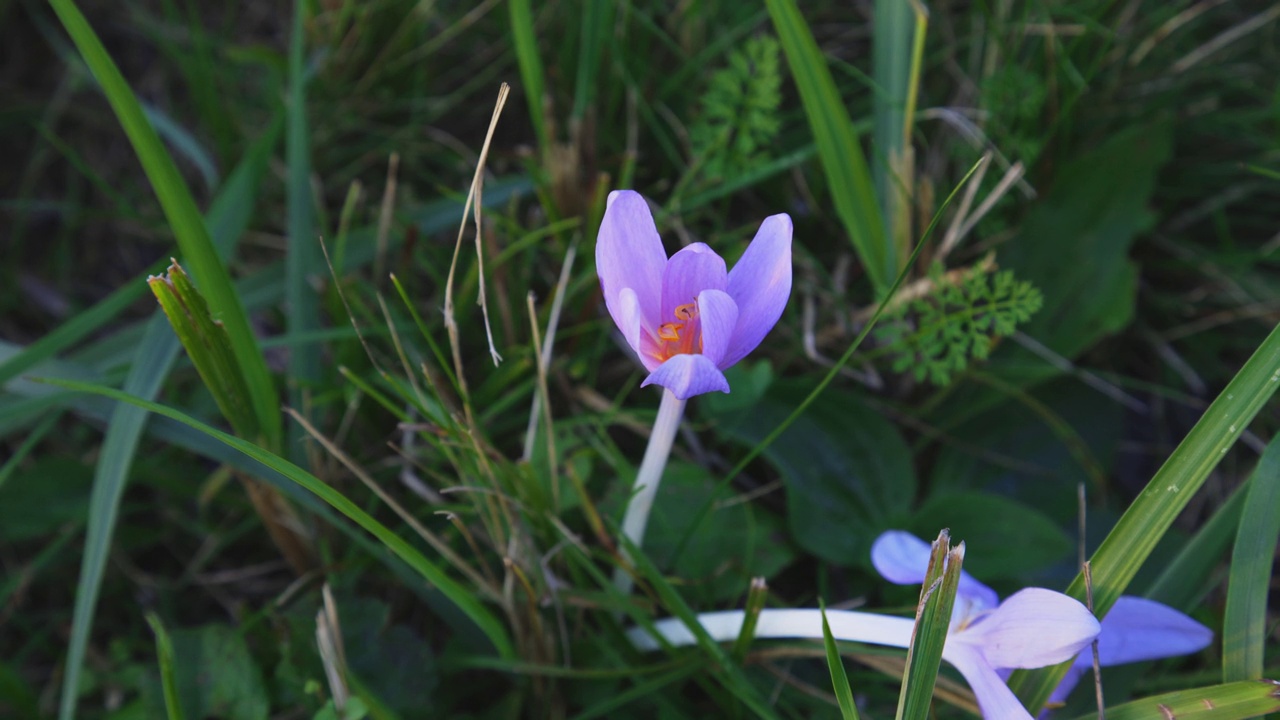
(686, 317)
(1135, 629)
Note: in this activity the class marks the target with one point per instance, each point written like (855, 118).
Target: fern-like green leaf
(739, 117)
(938, 335)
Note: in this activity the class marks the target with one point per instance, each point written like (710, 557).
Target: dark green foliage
(936, 336)
(739, 119)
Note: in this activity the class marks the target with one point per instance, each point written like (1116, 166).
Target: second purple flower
(687, 317)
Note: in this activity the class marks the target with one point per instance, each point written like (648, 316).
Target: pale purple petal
(688, 375)
(718, 315)
(903, 558)
(760, 284)
(690, 271)
(1032, 628)
(1139, 629)
(629, 254)
(994, 697)
(629, 317)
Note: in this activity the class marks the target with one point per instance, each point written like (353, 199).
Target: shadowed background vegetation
(1106, 271)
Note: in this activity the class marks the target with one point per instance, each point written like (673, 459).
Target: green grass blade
(596, 23)
(933, 620)
(531, 71)
(180, 210)
(729, 674)
(838, 149)
(1244, 624)
(835, 665)
(302, 257)
(1232, 701)
(891, 56)
(1188, 577)
(72, 331)
(450, 588)
(1136, 533)
(228, 217)
(168, 678)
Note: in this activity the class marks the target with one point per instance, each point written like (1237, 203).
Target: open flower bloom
(1135, 629)
(1033, 628)
(686, 316)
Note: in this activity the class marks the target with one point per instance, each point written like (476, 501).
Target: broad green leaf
(839, 150)
(1014, 451)
(1074, 244)
(1133, 538)
(737, 542)
(216, 676)
(184, 218)
(847, 469)
(1245, 622)
(450, 588)
(1232, 701)
(1008, 539)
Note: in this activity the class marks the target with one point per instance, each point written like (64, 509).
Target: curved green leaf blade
(1135, 535)
(839, 151)
(449, 587)
(1232, 701)
(1244, 625)
(839, 679)
(183, 216)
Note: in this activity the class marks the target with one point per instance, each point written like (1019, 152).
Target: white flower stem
(649, 476)
(725, 626)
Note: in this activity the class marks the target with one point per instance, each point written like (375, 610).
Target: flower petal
(688, 375)
(1140, 629)
(636, 329)
(1032, 628)
(719, 316)
(760, 284)
(629, 254)
(903, 558)
(995, 699)
(690, 271)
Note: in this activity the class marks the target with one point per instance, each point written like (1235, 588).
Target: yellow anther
(687, 312)
(670, 331)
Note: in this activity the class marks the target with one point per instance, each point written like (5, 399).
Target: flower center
(680, 338)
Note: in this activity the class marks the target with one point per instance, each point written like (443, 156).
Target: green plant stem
(649, 476)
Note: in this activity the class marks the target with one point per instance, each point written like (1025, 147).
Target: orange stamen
(670, 331)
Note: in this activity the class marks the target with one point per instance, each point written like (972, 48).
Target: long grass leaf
(1232, 701)
(1135, 535)
(72, 331)
(1244, 624)
(228, 217)
(181, 212)
(168, 677)
(302, 256)
(835, 665)
(531, 71)
(450, 588)
(933, 620)
(839, 151)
